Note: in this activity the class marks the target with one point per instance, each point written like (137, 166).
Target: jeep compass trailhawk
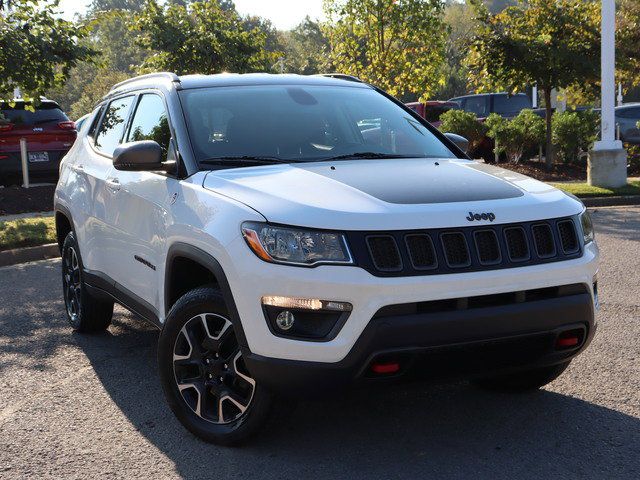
(292, 235)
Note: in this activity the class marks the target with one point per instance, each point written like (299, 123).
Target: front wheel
(523, 381)
(203, 374)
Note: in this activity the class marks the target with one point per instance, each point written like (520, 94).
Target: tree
(37, 49)
(109, 34)
(304, 48)
(555, 44)
(397, 45)
(93, 91)
(627, 42)
(108, 5)
(202, 37)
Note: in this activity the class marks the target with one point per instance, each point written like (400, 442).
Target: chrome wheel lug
(226, 367)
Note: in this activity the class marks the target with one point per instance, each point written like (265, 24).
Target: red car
(48, 131)
(432, 109)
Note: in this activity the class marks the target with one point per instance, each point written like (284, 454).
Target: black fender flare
(184, 250)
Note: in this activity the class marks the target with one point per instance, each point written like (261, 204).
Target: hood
(390, 194)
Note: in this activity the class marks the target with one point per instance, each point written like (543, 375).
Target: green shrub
(573, 133)
(465, 124)
(517, 136)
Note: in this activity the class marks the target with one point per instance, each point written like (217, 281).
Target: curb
(28, 254)
(611, 201)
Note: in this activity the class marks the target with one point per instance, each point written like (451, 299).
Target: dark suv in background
(484, 104)
(48, 131)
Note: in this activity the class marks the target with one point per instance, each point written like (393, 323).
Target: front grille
(568, 236)
(483, 247)
(384, 253)
(487, 247)
(543, 239)
(456, 251)
(421, 252)
(517, 245)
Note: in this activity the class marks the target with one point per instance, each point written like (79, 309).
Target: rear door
(138, 215)
(96, 167)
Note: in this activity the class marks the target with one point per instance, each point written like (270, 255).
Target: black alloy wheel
(209, 370)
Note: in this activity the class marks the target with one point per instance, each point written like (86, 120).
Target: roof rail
(341, 76)
(170, 75)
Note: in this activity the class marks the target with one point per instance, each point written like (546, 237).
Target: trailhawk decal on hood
(321, 195)
(417, 181)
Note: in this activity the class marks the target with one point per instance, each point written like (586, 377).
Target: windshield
(302, 123)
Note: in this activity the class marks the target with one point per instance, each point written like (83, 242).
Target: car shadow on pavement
(404, 431)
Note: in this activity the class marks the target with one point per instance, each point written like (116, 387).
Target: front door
(138, 215)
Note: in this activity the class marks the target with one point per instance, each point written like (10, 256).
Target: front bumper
(250, 279)
(454, 343)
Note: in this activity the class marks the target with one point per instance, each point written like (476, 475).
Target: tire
(203, 375)
(85, 313)
(523, 381)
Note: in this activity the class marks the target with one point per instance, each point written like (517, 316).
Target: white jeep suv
(291, 235)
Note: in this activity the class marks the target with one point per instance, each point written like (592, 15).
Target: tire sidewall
(204, 300)
(71, 242)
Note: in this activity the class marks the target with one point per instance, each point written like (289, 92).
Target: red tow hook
(569, 339)
(385, 368)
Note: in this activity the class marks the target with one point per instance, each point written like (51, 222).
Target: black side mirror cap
(144, 155)
(459, 141)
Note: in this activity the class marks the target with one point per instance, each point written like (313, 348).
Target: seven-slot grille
(483, 247)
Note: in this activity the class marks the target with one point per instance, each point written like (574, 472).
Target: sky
(284, 14)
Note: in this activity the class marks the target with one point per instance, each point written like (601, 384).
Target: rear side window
(478, 105)
(43, 114)
(629, 112)
(150, 122)
(112, 126)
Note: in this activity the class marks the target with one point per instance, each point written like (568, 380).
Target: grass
(582, 189)
(27, 232)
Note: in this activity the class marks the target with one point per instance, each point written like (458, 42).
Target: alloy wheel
(209, 369)
(72, 283)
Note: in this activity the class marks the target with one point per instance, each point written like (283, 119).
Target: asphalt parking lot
(90, 406)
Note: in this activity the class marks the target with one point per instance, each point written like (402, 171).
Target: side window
(629, 113)
(95, 118)
(477, 105)
(150, 122)
(112, 126)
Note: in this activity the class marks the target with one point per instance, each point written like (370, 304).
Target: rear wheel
(203, 373)
(85, 313)
(523, 381)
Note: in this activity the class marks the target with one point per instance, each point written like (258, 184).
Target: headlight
(295, 246)
(587, 226)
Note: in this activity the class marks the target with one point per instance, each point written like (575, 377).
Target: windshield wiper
(347, 156)
(242, 159)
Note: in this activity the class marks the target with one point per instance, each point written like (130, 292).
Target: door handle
(77, 168)
(113, 184)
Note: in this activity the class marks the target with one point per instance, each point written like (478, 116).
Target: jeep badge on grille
(481, 216)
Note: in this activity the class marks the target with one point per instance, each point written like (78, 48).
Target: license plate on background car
(38, 157)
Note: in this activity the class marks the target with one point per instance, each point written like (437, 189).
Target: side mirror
(144, 155)
(460, 142)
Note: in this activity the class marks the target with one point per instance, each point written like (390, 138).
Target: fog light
(305, 303)
(285, 320)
